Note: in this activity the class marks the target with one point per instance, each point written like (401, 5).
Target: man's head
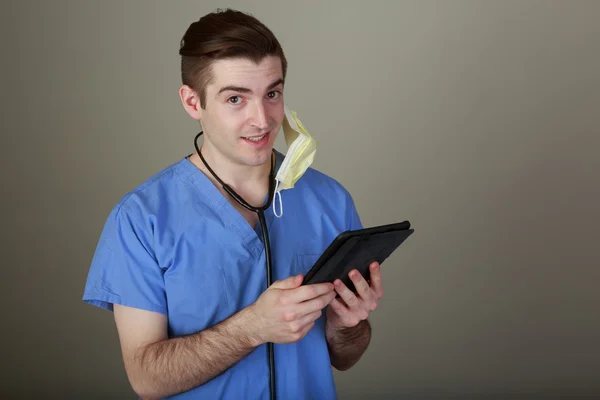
(233, 71)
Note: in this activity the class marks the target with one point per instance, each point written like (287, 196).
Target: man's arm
(347, 345)
(158, 366)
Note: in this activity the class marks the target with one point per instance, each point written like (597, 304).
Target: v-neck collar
(251, 238)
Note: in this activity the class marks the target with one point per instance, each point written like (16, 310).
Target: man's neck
(251, 182)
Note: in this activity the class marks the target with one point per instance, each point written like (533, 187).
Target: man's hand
(350, 308)
(286, 311)
(348, 330)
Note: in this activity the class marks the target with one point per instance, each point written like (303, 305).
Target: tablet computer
(357, 249)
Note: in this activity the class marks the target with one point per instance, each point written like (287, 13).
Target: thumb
(291, 282)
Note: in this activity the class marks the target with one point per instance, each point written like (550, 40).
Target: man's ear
(190, 100)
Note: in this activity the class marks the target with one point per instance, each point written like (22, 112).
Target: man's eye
(274, 94)
(234, 100)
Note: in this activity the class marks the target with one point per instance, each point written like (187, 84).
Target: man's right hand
(286, 311)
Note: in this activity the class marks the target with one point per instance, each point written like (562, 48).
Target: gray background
(478, 121)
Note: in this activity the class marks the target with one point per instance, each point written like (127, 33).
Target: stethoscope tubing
(265, 234)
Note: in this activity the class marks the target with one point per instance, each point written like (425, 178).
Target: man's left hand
(348, 310)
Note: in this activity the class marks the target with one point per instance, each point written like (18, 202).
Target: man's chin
(260, 161)
(259, 158)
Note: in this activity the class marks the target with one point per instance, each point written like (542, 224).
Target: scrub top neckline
(251, 238)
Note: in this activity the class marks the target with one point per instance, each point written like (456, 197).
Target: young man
(182, 264)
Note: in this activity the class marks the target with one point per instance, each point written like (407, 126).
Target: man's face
(244, 110)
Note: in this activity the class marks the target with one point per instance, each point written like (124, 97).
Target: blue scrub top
(175, 245)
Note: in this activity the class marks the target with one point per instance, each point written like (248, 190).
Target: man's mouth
(256, 138)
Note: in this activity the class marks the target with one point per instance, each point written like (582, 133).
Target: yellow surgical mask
(300, 155)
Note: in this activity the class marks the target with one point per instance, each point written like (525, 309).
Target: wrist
(248, 320)
(332, 329)
(339, 333)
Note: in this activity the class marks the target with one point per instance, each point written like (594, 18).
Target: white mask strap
(278, 193)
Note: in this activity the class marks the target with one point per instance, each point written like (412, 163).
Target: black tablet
(357, 250)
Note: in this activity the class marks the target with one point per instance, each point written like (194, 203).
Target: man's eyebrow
(275, 84)
(246, 90)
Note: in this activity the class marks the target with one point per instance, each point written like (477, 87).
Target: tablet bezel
(343, 237)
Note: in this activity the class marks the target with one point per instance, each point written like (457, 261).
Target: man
(182, 264)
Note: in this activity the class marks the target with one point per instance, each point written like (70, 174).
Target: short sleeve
(124, 269)
(352, 217)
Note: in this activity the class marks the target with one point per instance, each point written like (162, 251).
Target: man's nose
(259, 116)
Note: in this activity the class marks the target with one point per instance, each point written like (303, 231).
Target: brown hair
(220, 35)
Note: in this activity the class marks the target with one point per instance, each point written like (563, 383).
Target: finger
(305, 331)
(291, 282)
(346, 294)
(312, 317)
(308, 292)
(318, 303)
(348, 318)
(362, 286)
(339, 308)
(376, 282)
(300, 324)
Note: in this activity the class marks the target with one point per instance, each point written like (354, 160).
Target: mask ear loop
(278, 194)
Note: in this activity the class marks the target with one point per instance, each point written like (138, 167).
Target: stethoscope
(265, 234)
